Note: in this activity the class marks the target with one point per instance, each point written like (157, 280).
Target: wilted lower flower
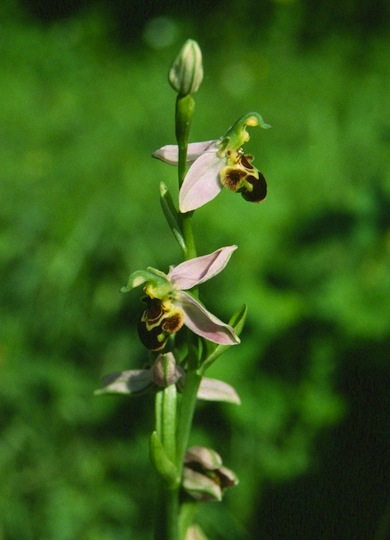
(135, 382)
(204, 476)
(164, 372)
(168, 306)
(217, 164)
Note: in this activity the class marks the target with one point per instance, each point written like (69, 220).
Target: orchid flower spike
(219, 163)
(168, 306)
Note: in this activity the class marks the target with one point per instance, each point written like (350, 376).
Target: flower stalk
(185, 107)
(184, 111)
(166, 520)
(171, 302)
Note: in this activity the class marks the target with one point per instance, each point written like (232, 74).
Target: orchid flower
(169, 306)
(164, 372)
(219, 163)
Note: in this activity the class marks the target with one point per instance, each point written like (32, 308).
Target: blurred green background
(84, 102)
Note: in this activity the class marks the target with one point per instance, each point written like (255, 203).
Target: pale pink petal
(202, 182)
(216, 390)
(196, 149)
(134, 381)
(190, 273)
(203, 323)
(170, 152)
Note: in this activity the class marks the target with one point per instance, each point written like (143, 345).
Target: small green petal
(253, 119)
(237, 135)
(137, 278)
(157, 281)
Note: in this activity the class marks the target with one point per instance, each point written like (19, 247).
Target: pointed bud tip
(186, 73)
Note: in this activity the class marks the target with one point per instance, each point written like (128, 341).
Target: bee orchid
(219, 163)
(169, 306)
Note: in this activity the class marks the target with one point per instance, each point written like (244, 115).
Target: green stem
(184, 111)
(188, 235)
(186, 518)
(174, 434)
(185, 107)
(187, 409)
(166, 519)
(166, 404)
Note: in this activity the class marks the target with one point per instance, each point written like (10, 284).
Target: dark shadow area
(347, 496)
(313, 20)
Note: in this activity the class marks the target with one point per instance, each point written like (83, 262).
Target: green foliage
(80, 211)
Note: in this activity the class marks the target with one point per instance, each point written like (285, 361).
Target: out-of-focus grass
(79, 211)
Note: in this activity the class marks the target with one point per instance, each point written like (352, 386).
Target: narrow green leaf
(163, 465)
(238, 319)
(171, 215)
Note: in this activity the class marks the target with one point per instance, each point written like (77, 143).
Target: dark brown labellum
(259, 191)
(158, 322)
(152, 339)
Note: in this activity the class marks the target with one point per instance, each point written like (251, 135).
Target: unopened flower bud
(165, 371)
(186, 73)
